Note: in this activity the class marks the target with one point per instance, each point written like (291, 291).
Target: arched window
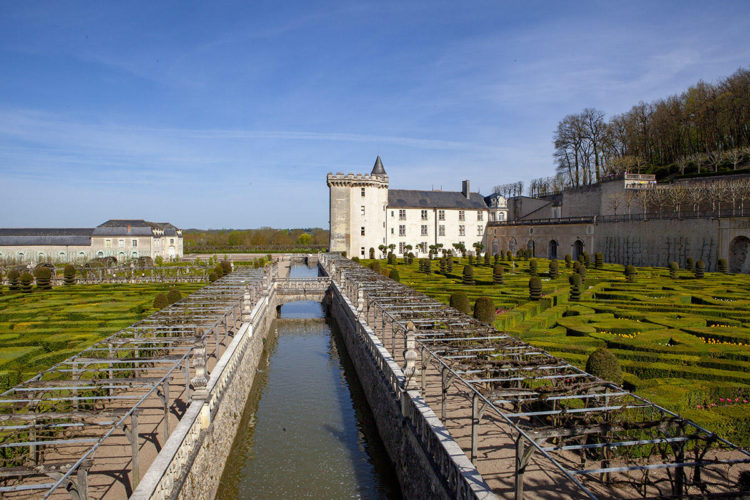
(100, 254)
(553, 249)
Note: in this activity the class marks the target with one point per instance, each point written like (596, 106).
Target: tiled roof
(410, 198)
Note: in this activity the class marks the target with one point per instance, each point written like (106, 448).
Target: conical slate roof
(378, 169)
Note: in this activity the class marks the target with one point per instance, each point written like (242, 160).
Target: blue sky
(230, 114)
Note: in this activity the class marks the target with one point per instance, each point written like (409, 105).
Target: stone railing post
(360, 301)
(410, 359)
(200, 381)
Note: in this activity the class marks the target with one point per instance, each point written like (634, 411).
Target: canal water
(306, 431)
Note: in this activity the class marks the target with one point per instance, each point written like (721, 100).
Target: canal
(306, 430)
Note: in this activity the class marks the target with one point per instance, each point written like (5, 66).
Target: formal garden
(681, 336)
(41, 327)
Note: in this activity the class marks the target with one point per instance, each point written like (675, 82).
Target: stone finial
(410, 356)
(200, 381)
(360, 300)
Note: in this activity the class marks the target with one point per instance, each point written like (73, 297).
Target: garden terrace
(601, 440)
(88, 424)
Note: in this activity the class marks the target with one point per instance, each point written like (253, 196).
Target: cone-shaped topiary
(673, 268)
(449, 265)
(13, 280)
(554, 269)
(484, 310)
(43, 277)
(630, 273)
(161, 301)
(575, 287)
(723, 266)
(391, 259)
(568, 259)
(468, 275)
(496, 258)
(443, 265)
(460, 301)
(394, 275)
(69, 274)
(535, 288)
(487, 259)
(173, 295)
(586, 260)
(497, 274)
(598, 260)
(428, 266)
(533, 269)
(690, 264)
(700, 269)
(580, 269)
(471, 259)
(603, 364)
(26, 281)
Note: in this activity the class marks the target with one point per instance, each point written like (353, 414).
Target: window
(107, 243)
(391, 213)
(100, 254)
(492, 216)
(120, 243)
(424, 230)
(441, 214)
(480, 215)
(402, 215)
(401, 248)
(171, 241)
(441, 230)
(81, 255)
(501, 216)
(362, 231)
(461, 215)
(391, 233)
(462, 230)
(362, 210)
(424, 214)
(135, 243)
(402, 230)
(362, 251)
(363, 191)
(479, 230)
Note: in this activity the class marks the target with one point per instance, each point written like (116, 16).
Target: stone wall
(428, 462)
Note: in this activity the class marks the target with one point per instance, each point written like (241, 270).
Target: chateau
(120, 238)
(365, 215)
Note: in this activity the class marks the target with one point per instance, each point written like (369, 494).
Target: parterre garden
(683, 342)
(44, 327)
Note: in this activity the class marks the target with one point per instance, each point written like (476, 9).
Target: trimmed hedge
(460, 301)
(484, 310)
(603, 364)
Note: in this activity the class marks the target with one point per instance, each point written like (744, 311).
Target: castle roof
(39, 236)
(411, 198)
(378, 169)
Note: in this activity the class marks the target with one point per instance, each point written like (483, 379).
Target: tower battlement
(356, 180)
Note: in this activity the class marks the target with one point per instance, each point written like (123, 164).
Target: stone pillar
(200, 380)
(360, 300)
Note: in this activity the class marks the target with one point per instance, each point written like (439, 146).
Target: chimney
(128, 228)
(465, 188)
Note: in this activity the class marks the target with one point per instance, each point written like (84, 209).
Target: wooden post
(132, 435)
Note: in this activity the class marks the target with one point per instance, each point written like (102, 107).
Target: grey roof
(410, 198)
(133, 227)
(56, 236)
(378, 169)
(123, 231)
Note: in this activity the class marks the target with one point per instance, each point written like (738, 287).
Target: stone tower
(357, 210)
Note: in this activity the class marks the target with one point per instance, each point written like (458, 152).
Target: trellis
(73, 408)
(598, 435)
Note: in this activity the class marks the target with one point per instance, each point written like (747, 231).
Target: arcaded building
(366, 214)
(123, 239)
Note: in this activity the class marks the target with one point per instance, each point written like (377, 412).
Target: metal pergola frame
(550, 406)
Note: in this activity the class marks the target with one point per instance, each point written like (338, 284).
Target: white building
(123, 239)
(365, 214)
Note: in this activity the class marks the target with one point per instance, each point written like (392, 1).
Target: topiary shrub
(496, 258)
(580, 270)
(598, 260)
(43, 277)
(630, 273)
(533, 269)
(427, 266)
(723, 266)
(443, 265)
(372, 253)
(690, 264)
(13, 280)
(212, 276)
(554, 269)
(354, 259)
(392, 259)
(468, 278)
(603, 364)
(487, 259)
(484, 310)
(1, 281)
(575, 287)
(226, 267)
(26, 281)
(173, 295)
(586, 259)
(568, 260)
(471, 259)
(69, 274)
(700, 269)
(497, 274)
(161, 301)
(394, 275)
(535, 288)
(673, 268)
(460, 301)
(449, 264)
(375, 266)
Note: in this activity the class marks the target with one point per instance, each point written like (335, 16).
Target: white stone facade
(365, 214)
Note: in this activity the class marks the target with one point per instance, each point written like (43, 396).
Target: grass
(42, 328)
(684, 343)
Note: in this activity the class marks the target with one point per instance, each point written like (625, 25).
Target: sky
(230, 114)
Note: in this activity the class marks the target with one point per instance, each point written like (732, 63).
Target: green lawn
(42, 328)
(683, 343)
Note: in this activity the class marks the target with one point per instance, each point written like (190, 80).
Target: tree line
(252, 240)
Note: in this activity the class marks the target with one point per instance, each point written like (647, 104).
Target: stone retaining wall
(428, 462)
